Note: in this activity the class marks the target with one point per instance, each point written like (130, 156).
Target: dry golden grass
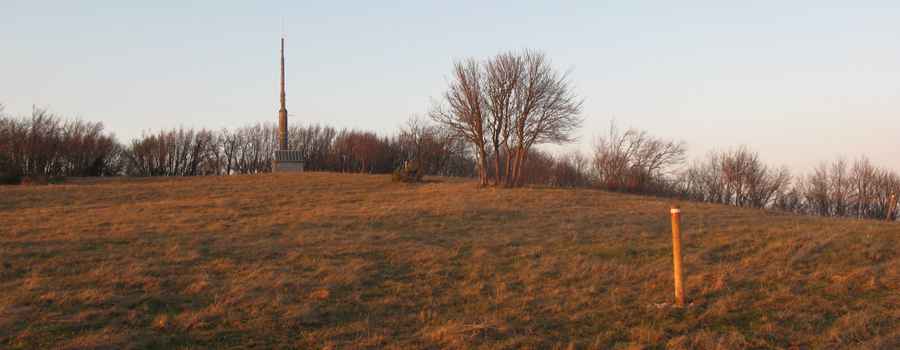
(320, 260)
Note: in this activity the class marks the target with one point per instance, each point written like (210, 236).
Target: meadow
(341, 261)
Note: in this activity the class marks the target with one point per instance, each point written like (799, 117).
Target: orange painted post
(891, 207)
(676, 247)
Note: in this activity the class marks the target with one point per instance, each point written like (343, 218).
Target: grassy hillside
(319, 260)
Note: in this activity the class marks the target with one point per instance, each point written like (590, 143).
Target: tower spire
(282, 114)
(286, 161)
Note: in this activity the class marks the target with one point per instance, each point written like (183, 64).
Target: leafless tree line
(505, 105)
(836, 189)
(735, 177)
(435, 149)
(839, 189)
(567, 169)
(636, 161)
(176, 152)
(250, 149)
(631, 161)
(45, 145)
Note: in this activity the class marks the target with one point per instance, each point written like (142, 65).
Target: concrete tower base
(287, 162)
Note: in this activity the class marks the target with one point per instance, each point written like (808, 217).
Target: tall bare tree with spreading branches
(464, 113)
(505, 105)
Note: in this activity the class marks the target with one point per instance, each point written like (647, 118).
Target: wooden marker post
(891, 207)
(676, 247)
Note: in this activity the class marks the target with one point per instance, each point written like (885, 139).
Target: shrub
(409, 173)
(36, 180)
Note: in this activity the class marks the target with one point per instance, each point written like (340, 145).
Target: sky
(801, 82)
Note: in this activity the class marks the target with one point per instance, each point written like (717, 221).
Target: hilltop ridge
(325, 260)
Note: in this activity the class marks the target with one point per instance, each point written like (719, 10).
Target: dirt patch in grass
(321, 260)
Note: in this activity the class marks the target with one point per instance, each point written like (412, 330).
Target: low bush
(410, 173)
(36, 180)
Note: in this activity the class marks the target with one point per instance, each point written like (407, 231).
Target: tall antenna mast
(286, 161)
(282, 114)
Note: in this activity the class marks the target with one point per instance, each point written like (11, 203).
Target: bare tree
(258, 145)
(371, 151)
(435, 149)
(568, 169)
(864, 189)
(346, 149)
(86, 151)
(791, 200)
(738, 178)
(13, 154)
(449, 155)
(42, 143)
(503, 75)
(315, 143)
(826, 190)
(509, 103)
(838, 189)
(417, 136)
(464, 113)
(634, 160)
(229, 145)
(366, 152)
(547, 110)
(815, 191)
(871, 189)
(176, 152)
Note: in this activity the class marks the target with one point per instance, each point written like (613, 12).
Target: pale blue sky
(800, 81)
